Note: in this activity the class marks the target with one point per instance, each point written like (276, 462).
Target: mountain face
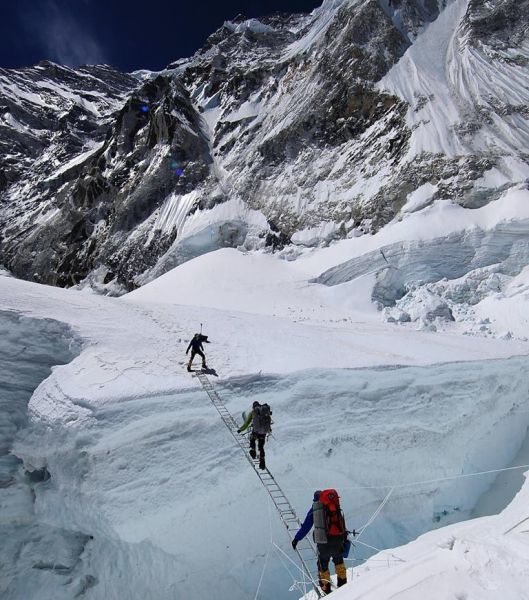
(287, 131)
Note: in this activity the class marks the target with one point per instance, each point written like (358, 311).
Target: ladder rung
(287, 515)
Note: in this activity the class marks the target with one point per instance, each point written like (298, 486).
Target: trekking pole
(200, 328)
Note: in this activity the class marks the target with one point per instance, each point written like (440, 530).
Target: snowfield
(138, 490)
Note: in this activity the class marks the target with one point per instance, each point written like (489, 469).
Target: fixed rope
(395, 486)
(305, 549)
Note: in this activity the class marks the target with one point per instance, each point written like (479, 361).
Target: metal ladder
(305, 548)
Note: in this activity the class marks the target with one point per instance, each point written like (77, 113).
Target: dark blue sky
(126, 34)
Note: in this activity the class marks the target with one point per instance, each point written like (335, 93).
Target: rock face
(324, 123)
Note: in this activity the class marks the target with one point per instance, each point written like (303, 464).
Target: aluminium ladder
(287, 514)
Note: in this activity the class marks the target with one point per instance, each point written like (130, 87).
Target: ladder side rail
(231, 425)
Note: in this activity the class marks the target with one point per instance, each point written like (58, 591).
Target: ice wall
(150, 498)
(363, 431)
(402, 264)
(35, 559)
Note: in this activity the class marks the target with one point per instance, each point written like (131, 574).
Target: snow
(419, 198)
(126, 427)
(140, 461)
(247, 110)
(447, 82)
(174, 210)
(314, 235)
(147, 496)
(10, 120)
(421, 73)
(77, 160)
(322, 18)
(204, 231)
(508, 310)
(253, 25)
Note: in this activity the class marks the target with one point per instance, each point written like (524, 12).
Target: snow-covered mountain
(289, 129)
(341, 200)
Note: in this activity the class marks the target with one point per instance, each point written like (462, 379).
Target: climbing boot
(253, 453)
(341, 575)
(189, 368)
(325, 581)
(262, 463)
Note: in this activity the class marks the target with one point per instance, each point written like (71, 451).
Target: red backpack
(328, 517)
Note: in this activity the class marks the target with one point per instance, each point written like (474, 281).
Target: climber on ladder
(285, 509)
(330, 535)
(261, 419)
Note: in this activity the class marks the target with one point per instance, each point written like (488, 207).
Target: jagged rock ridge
(290, 128)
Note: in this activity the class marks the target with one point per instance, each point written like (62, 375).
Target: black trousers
(332, 549)
(200, 353)
(260, 439)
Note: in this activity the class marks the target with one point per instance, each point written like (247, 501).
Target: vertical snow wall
(152, 499)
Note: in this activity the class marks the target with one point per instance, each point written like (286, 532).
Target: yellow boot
(341, 574)
(325, 581)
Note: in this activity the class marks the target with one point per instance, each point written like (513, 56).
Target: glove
(294, 543)
(238, 431)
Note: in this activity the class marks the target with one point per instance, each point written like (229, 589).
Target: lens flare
(177, 167)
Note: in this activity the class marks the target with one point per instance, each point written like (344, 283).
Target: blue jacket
(306, 527)
(308, 522)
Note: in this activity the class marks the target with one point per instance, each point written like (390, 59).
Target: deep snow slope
(280, 131)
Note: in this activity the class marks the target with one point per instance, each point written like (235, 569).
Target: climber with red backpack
(260, 417)
(330, 536)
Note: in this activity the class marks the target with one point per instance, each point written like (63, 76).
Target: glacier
(146, 494)
(357, 251)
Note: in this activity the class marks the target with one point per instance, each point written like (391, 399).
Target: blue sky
(126, 34)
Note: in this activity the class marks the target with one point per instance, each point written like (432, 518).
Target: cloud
(62, 36)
